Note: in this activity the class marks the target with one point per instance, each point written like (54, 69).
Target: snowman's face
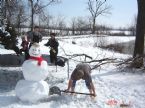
(35, 51)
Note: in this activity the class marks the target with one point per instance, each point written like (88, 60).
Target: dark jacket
(37, 37)
(34, 36)
(25, 45)
(53, 43)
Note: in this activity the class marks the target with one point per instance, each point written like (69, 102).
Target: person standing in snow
(82, 71)
(53, 44)
(34, 36)
(25, 47)
(37, 37)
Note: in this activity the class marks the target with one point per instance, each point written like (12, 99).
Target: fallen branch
(129, 60)
(76, 55)
(101, 60)
(98, 65)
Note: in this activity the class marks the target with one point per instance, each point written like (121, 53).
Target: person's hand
(93, 95)
(45, 44)
(53, 50)
(66, 90)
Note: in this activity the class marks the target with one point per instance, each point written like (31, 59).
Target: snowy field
(111, 83)
(97, 40)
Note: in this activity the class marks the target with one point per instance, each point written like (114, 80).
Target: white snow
(31, 91)
(33, 88)
(32, 71)
(111, 82)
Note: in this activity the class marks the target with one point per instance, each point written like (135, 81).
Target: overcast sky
(123, 11)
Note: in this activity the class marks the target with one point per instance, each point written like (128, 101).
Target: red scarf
(39, 59)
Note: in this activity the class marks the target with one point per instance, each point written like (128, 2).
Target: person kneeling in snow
(82, 71)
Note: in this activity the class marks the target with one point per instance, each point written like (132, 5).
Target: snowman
(35, 70)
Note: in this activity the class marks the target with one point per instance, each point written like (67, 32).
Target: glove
(66, 90)
(53, 50)
(45, 44)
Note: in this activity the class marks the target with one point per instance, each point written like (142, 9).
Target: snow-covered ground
(111, 83)
(92, 40)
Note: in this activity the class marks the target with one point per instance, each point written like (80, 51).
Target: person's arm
(69, 84)
(90, 85)
(57, 44)
(22, 43)
(48, 43)
(40, 36)
(93, 89)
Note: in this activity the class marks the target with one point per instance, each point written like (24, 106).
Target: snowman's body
(31, 91)
(35, 71)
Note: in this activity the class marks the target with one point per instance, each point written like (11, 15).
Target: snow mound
(32, 91)
(33, 72)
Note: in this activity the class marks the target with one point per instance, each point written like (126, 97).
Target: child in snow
(25, 47)
(53, 43)
(82, 71)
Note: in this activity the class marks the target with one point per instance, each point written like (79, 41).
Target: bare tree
(97, 8)
(73, 25)
(61, 24)
(11, 8)
(132, 27)
(140, 31)
(15, 13)
(81, 25)
(48, 21)
(53, 24)
(36, 7)
(21, 16)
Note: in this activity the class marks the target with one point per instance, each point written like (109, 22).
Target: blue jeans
(86, 82)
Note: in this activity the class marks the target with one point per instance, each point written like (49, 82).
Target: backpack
(60, 62)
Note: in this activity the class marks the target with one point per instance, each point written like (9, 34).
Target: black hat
(52, 34)
(36, 27)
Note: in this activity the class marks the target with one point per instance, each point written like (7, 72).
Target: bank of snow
(126, 85)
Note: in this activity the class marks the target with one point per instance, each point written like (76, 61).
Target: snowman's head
(35, 50)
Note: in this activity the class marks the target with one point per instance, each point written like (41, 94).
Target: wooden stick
(76, 92)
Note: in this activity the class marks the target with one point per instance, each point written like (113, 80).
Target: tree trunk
(73, 31)
(94, 26)
(140, 28)
(32, 15)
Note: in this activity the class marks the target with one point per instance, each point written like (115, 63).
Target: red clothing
(25, 45)
(39, 59)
